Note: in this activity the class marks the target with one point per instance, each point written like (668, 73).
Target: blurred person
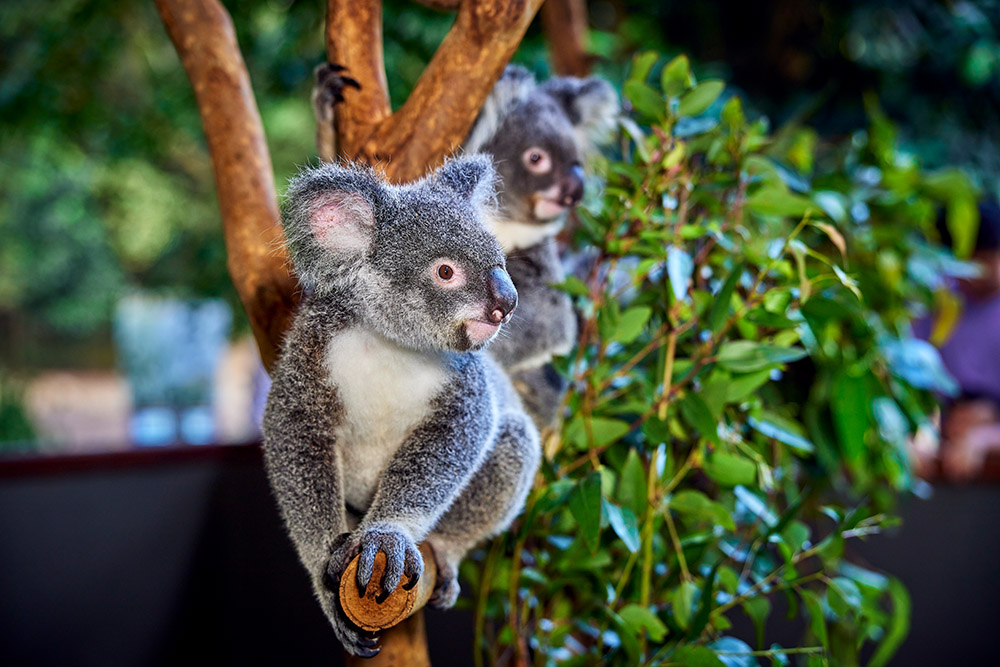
(971, 353)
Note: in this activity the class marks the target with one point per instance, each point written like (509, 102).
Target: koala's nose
(572, 189)
(503, 296)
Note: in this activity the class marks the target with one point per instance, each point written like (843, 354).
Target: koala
(538, 135)
(384, 410)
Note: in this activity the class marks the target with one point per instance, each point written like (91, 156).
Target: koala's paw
(330, 84)
(356, 641)
(401, 557)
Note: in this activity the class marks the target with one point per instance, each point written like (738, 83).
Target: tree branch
(565, 25)
(203, 35)
(436, 118)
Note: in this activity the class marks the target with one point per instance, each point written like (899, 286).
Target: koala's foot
(446, 589)
(401, 557)
(329, 88)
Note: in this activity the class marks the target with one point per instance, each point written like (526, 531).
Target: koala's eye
(445, 272)
(537, 160)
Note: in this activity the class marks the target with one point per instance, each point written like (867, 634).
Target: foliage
(743, 391)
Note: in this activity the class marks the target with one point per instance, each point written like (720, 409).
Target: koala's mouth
(548, 209)
(480, 332)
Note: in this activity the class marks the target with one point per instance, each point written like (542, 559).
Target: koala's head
(415, 262)
(538, 136)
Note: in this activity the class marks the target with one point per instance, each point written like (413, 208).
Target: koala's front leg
(424, 478)
(304, 469)
(328, 91)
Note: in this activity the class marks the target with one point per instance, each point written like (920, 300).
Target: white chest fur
(517, 235)
(385, 391)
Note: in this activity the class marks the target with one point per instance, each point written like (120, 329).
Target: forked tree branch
(203, 35)
(436, 118)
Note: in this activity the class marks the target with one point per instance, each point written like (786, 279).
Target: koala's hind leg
(487, 506)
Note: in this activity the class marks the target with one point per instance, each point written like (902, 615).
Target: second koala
(383, 405)
(538, 135)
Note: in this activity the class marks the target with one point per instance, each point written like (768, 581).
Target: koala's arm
(544, 322)
(439, 456)
(302, 462)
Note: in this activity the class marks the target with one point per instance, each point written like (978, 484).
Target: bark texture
(203, 35)
(437, 116)
(565, 26)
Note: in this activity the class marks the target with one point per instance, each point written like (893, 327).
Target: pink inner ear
(342, 221)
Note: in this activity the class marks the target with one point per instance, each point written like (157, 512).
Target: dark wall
(163, 564)
(132, 562)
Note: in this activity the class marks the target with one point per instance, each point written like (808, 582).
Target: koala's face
(447, 286)
(414, 262)
(536, 154)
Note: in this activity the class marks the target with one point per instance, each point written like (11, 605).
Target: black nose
(572, 187)
(503, 296)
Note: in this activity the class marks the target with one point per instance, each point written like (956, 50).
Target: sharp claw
(335, 67)
(411, 583)
(382, 597)
(350, 82)
(368, 643)
(369, 652)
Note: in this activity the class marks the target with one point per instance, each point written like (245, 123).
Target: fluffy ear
(341, 221)
(329, 214)
(591, 104)
(514, 86)
(471, 176)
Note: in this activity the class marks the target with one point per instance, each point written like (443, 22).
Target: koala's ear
(341, 220)
(470, 176)
(514, 87)
(329, 214)
(591, 104)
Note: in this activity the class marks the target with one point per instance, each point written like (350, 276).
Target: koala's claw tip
(382, 597)
(411, 583)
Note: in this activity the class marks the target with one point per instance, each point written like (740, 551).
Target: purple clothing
(972, 351)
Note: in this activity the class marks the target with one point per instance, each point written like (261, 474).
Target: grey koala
(384, 410)
(538, 135)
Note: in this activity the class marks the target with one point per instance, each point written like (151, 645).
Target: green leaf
(850, 402)
(778, 202)
(585, 506)
(645, 99)
(734, 652)
(631, 323)
(573, 286)
(758, 609)
(676, 76)
(632, 491)
(696, 504)
(697, 100)
(605, 430)
(814, 612)
(642, 618)
(772, 430)
(697, 414)
(743, 356)
(642, 64)
(692, 655)
(720, 308)
(742, 385)
(683, 599)
(898, 625)
(625, 525)
(730, 469)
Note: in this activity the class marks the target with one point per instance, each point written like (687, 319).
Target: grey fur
(566, 117)
(382, 398)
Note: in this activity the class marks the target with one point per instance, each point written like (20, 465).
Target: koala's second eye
(537, 160)
(445, 272)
